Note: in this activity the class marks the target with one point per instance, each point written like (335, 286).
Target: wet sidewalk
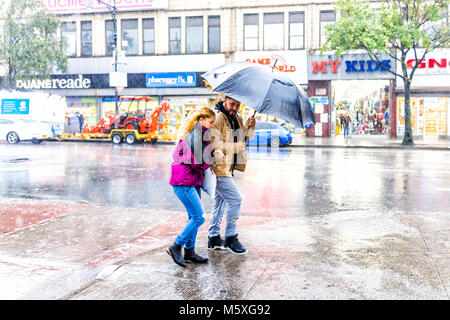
(115, 253)
(373, 141)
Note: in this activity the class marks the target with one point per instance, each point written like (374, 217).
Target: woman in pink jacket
(192, 156)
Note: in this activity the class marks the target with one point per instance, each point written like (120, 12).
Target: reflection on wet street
(285, 182)
(93, 221)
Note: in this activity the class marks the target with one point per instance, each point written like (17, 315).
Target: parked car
(16, 130)
(270, 134)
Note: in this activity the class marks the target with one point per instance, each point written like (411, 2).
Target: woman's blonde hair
(191, 119)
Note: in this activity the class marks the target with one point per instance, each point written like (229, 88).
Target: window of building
(175, 35)
(69, 33)
(130, 36)
(110, 41)
(148, 36)
(273, 31)
(296, 30)
(214, 34)
(251, 31)
(194, 34)
(86, 38)
(326, 18)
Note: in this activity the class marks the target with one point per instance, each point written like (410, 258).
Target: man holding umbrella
(230, 137)
(267, 91)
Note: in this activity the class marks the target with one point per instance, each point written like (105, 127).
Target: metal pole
(113, 10)
(116, 125)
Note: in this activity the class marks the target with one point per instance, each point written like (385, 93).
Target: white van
(28, 115)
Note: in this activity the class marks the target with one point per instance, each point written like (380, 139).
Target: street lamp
(113, 10)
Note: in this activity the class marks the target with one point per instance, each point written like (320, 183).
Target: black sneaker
(215, 243)
(233, 244)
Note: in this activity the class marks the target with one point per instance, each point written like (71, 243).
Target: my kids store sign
(349, 67)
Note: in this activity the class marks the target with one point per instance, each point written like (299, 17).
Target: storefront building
(430, 96)
(174, 78)
(330, 78)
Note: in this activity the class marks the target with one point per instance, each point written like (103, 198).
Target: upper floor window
(130, 36)
(69, 33)
(296, 30)
(214, 34)
(110, 39)
(194, 34)
(86, 38)
(148, 36)
(251, 31)
(175, 35)
(274, 31)
(326, 17)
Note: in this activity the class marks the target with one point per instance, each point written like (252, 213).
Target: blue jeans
(190, 198)
(226, 196)
(346, 130)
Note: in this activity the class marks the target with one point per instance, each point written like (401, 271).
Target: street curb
(399, 147)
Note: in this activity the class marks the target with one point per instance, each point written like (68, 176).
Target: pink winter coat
(189, 163)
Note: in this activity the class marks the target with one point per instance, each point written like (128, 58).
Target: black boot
(233, 244)
(175, 251)
(191, 256)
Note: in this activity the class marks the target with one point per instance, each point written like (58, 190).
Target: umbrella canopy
(266, 90)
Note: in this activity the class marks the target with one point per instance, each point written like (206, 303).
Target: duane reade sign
(77, 83)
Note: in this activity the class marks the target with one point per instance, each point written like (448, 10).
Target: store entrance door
(366, 102)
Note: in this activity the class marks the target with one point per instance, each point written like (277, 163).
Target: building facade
(165, 45)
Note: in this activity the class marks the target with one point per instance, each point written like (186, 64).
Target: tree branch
(377, 60)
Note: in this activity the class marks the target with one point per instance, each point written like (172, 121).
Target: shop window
(326, 18)
(69, 34)
(296, 30)
(174, 35)
(79, 113)
(148, 36)
(274, 31)
(130, 36)
(214, 34)
(194, 34)
(110, 39)
(86, 38)
(251, 31)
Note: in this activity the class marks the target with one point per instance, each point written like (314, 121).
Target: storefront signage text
(86, 6)
(430, 66)
(350, 67)
(171, 80)
(280, 64)
(15, 106)
(78, 83)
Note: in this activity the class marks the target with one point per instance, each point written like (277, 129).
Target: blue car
(270, 134)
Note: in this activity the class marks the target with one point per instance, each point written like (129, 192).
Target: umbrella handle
(246, 131)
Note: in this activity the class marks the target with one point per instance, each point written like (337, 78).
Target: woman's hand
(218, 154)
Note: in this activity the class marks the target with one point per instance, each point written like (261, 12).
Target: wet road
(92, 221)
(284, 182)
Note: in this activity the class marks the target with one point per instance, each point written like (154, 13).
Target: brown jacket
(224, 140)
